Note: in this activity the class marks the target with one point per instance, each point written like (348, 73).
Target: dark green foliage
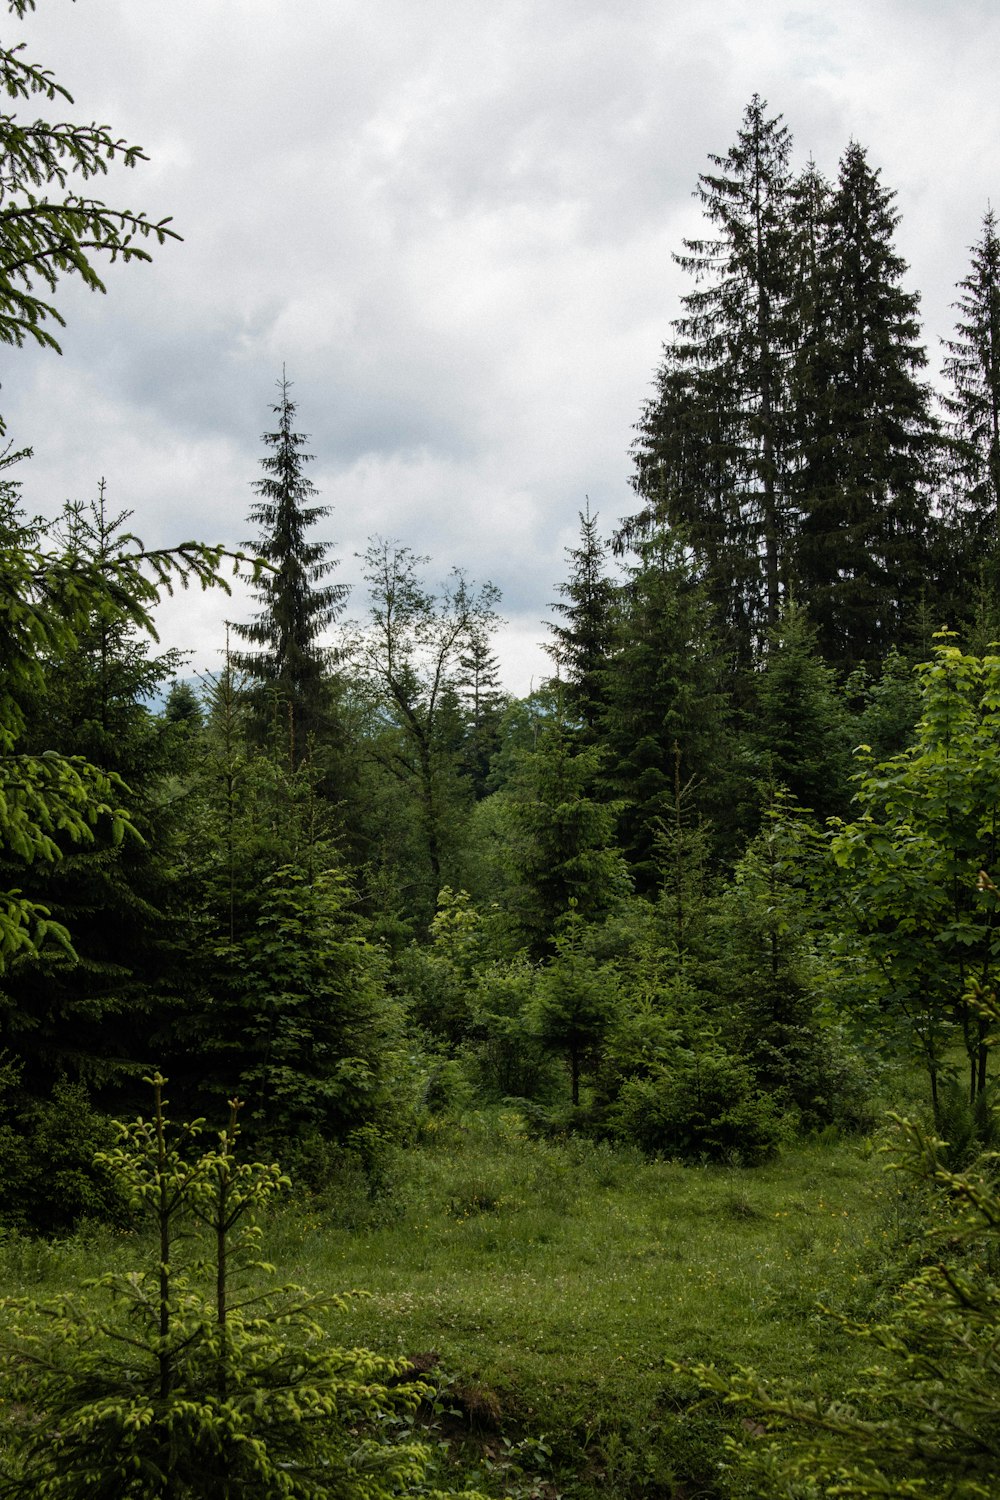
(865, 460)
(575, 1001)
(797, 726)
(48, 1179)
(560, 838)
(284, 659)
(666, 720)
(703, 1104)
(116, 900)
(583, 641)
(298, 1020)
(886, 708)
(713, 451)
(972, 368)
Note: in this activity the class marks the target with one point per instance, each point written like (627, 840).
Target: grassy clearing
(554, 1283)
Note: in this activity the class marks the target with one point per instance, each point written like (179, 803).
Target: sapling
(191, 1378)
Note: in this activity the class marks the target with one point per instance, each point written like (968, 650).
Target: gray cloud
(454, 224)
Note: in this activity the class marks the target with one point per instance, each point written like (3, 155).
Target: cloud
(453, 224)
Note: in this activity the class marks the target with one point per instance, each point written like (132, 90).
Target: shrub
(701, 1104)
(48, 1177)
(924, 1419)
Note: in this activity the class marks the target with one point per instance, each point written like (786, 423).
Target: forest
(578, 1030)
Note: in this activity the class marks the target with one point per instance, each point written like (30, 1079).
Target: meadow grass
(556, 1283)
(548, 1287)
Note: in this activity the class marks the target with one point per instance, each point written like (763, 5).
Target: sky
(451, 222)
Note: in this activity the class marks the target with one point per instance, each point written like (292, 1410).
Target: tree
(972, 369)
(863, 465)
(51, 801)
(483, 702)
(666, 711)
(115, 898)
(47, 598)
(798, 730)
(47, 230)
(188, 1381)
(712, 449)
(407, 657)
(911, 863)
(575, 1000)
(560, 843)
(583, 642)
(287, 668)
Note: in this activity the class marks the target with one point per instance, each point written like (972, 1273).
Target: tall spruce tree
(972, 368)
(865, 459)
(712, 448)
(286, 665)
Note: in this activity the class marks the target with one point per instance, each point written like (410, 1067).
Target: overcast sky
(452, 222)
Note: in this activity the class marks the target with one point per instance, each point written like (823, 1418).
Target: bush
(700, 1105)
(48, 1177)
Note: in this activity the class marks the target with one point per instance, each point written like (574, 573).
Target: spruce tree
(482, 704)
(864, 466)
(285, 662)
(582, 644)
(712, 447)
(666, 713)
(972, 368)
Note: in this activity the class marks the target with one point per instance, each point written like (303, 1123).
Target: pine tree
(286, 664)
(582, 644)
(864, 464)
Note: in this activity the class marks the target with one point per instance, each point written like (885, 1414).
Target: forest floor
(547, 1287)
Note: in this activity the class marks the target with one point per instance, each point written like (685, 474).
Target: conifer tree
(972, 368)
(560, 841)
(582, 644)
(666, 708)
(864, 466)
(284, 660)
(712, 448)
(798, 731)
(482, 703)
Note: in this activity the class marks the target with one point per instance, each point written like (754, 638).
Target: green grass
(554, 1284)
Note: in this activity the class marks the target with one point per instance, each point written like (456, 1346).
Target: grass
(549, 1287)
(555, 1284)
